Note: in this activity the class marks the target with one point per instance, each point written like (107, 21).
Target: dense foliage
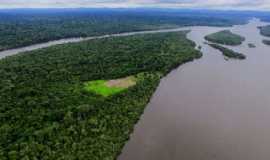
(24, 27)
(225, 37)
(228, 52)
(265, 30)
(45, 112)
(267, 42)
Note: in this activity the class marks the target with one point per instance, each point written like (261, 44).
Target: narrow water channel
(15, 51)
(210, 109)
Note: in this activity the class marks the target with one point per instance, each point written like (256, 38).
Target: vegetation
(46, 113)
(265, 30)
(110, 87)
(100, 87)
(267, 42)
(228, 52)
(23, 27)
(251, 45)
(225, 37)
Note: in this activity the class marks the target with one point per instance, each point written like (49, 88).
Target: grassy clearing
(225, 37)
(110, 87)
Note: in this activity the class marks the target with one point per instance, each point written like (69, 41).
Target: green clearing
(109, 87)
(225, 37)
(100, 87)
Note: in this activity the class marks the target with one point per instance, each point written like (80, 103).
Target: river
(15, 51)
(209, 109)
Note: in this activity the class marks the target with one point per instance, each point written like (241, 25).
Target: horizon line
(139, 7)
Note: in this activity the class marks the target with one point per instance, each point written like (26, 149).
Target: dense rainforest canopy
(24, 27)
(46, 113)
(225, 37)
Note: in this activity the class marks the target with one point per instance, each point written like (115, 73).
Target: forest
(225, 37)
(46, 113)
(228, 52)
(23, 27)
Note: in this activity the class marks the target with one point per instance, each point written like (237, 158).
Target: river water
(15, 51)
(210, 109)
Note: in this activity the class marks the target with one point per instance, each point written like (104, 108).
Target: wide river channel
(208, 109)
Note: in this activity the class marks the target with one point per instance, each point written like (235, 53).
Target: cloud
(213, 4)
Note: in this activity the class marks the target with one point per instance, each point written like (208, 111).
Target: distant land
(23, 27)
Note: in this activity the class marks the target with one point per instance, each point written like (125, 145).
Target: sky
(202, 4)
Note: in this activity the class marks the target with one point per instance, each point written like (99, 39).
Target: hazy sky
(212, 4)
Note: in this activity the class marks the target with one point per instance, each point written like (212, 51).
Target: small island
(265, 30)
(251, 45)
(266, 42)
(225, 37)
(228, 52)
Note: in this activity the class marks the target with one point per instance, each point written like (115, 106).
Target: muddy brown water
(209, 109)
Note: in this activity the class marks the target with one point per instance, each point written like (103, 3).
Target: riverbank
(47, 109)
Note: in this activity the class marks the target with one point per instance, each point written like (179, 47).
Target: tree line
(24, 27)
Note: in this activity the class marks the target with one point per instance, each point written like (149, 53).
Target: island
(266, 42)
(82, 100)
(265, 30)
(251, 45)
(228, 52)
(225, 37)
